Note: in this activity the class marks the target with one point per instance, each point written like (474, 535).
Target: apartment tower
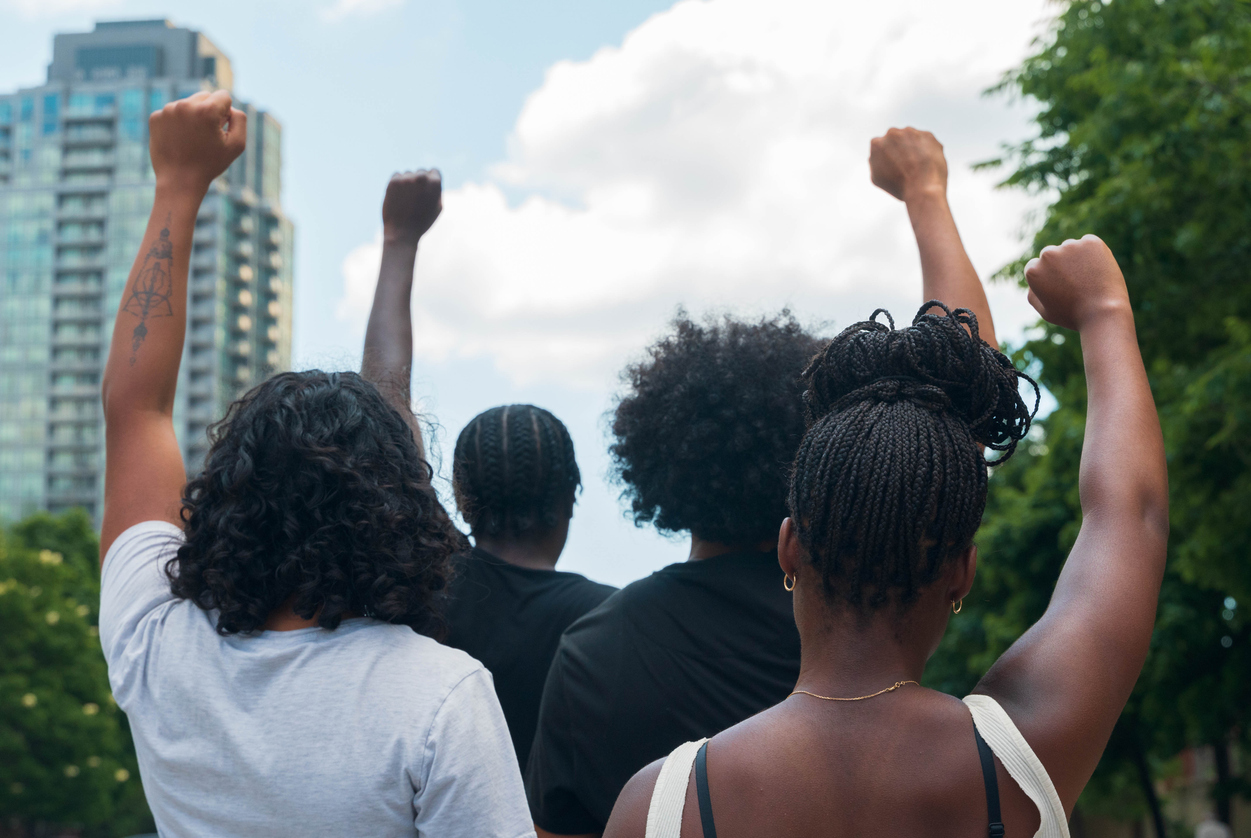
(76, 188)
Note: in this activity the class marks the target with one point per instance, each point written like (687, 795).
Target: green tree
(1143, 138)
(66, 757)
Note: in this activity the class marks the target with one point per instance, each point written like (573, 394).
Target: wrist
(925, 194)
(1100, 313)
(400, 238)
(182, 185)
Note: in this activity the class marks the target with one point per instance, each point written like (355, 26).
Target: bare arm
(144, 475)
(1065, 682)
(909, 164)
(413, 201)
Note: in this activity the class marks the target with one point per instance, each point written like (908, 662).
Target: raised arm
(192, 141)
(1065, 682)
(412, 203)
(909, 164)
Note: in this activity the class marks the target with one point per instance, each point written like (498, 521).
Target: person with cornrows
(514, 478)
(886, 494)
(704, 435)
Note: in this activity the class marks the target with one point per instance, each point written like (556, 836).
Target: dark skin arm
(413, 201)
(909, 164)
(192, 141)
(1066, 680)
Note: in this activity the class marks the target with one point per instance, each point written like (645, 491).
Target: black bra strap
(701, 791)
(992, 785)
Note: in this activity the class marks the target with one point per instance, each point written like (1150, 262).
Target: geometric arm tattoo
(153, 289)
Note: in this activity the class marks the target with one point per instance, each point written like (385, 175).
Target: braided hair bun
(889, 483)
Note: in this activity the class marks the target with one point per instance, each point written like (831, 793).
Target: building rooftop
(138, 49)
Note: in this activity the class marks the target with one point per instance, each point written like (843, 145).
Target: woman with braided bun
(704, 436)
(886, 493)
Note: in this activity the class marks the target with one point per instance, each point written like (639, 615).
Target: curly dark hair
(889, 484)
(709, 425)
(514, 473)
(314, 487)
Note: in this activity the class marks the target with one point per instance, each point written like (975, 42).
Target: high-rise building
(76, 188)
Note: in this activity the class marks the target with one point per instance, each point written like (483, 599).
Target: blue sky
(605, 162)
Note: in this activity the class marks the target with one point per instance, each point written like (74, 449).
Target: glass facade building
(76, 188)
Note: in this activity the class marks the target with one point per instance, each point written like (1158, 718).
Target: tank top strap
(664, 813)
(1021, 763)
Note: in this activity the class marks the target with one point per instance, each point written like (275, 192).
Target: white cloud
(346, 8)
(717, 160)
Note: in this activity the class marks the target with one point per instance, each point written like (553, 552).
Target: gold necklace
(889, 689)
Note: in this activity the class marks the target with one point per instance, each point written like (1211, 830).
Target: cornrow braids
(889, 483)
(514, 472)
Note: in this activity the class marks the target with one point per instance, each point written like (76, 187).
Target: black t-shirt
(689, 651)
(510, 618)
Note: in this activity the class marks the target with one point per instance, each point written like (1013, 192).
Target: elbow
(106, 391)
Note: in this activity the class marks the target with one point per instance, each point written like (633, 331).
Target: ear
(790, 552)
(963, 572)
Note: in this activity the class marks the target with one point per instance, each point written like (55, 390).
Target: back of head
(889, 483)
(314, 488)
(709, 424)
(514, 474)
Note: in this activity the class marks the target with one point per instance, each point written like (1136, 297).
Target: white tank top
(664, 814)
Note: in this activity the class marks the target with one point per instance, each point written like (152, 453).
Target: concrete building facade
(76, 188)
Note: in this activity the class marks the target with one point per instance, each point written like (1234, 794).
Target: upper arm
(468, 765)
(629, 815)
(145, 475)
(1067, 679)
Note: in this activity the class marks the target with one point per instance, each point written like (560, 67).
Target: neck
(702, 548)
(284, 618)
(539, 553)
(846, 653)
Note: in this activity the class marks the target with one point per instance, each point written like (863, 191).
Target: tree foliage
(1143, 138)
(66, 757)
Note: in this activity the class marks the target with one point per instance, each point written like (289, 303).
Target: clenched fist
(906, 163)
(193, 140)
(1078, 280)
(412, 203)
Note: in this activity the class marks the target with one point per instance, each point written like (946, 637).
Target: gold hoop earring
(956, 606)
(788, 582)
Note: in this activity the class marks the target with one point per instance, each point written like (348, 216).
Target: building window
(51, 112)
(27, 109)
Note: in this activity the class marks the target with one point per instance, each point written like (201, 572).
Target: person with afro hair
(886, 494)
(267, 624)
(704, 437)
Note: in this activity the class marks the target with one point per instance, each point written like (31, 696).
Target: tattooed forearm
(152, 290)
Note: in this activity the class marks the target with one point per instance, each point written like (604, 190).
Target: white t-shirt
(370, 729)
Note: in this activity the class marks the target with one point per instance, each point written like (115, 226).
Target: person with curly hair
(705, 435)
(887, 492)
(265, 625)
(515, 480)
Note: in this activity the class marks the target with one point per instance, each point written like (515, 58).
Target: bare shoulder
(629, 814)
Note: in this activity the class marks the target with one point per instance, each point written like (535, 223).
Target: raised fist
(193, 140)
(906, 163)
(1070, 283)
(412, 203)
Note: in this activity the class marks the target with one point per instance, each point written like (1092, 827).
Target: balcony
(74, 444)
(87, 162)
(88, 134)
(75, 339)
(82, 212)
